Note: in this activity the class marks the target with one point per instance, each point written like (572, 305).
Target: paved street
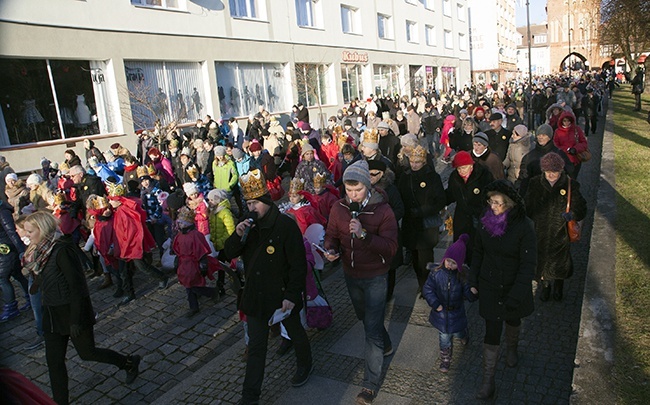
(198, 360)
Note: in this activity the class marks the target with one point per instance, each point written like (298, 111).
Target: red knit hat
(462, 158)
(255, 146)
(153, 152)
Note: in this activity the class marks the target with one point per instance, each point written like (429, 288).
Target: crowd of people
(209, 203)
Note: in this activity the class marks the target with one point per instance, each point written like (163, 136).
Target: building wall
(118, 33)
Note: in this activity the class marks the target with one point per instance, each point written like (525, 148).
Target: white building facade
(540, 51)
(101, 69)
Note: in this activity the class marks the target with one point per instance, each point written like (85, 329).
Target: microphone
(251, 219)
(354, 211)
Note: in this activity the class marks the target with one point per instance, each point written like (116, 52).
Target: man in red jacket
(362, 230)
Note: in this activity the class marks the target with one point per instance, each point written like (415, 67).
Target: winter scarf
(495, 225)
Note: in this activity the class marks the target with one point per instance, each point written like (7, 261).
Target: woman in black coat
(424, 196)
(546, 202)
(67, 311)
(466, 188)
(502, 270)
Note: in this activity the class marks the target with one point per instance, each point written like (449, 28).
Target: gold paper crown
(185, 214)
(319, 180)
(64, 167)
(151, 169)
(253, 184)
(371, 136)
(59, 198)
(193, 171)
(338, 130)
(115, 189)
(419, 154)
(141, 171)
(297, 184)
(96, 202)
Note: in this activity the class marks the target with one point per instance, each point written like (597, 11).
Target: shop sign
(358, 57)
(134, 75)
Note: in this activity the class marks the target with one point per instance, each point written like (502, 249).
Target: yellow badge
(85, 187)
(503, 137)
(315, 170)
(423, 185)
(270, 249)
(476, 191)
(562, 192)
(4, 249)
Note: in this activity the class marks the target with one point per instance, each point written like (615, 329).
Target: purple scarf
(495, 225)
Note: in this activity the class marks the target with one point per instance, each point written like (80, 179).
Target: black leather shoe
(302, 376)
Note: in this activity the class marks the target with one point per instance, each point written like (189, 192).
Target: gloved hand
(203, 268)
(75, 330)
(572, 151)
(511, 304)
(568, 216)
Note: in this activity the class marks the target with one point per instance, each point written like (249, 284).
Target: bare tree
(626, 26)
(312, 85)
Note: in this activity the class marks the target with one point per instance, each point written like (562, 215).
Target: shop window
(244, 87)
(46, 100)
(351, 82)
(312, 83)
(254, 9)
(309, 13)
(384, 26)
(165, 91)
(386, 79)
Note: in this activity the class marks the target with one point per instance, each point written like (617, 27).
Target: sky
(537, 12)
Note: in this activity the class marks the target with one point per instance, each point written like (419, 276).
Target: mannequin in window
(82, 112)
(196, 100)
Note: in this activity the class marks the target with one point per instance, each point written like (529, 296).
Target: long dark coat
(424, 196)
(545, 205)
(503, 266)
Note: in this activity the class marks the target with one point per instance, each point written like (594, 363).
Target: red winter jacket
(570, 137)
(372, 256)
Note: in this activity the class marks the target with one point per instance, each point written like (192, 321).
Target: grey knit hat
(237, 153)
(220, 150)
(546, 130)
(358, 171)
(480, 137)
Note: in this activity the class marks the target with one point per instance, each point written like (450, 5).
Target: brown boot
(512, 342)
(490, 357)
(108, 281)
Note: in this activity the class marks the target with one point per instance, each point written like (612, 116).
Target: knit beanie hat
(220, 150)
(408, 140)
(34, 179)
(520, 130)
(217, 195)
(462, 158)
(480, 137)
(255, 146)
(551, 162)
(358, 171)
(546, 130)
(190, 188)
(237, 153)
(11, 176)
(457, 250)
(306, 148)
(176, 199)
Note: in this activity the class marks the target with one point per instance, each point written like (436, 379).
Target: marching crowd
(363, 190)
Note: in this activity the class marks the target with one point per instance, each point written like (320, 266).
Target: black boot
(558, 286)
(512, 343)
(132, 368)
(490, 357)
(546, 291)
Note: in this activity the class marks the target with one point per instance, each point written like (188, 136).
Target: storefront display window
(448, 78)
(386, 79)
(46, 100)
(351, 82)
(244, 87)
(165, 92)
(312, 84)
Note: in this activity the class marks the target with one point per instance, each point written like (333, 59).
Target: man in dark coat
(389, 144)
(274, 257)
(590, 104)
(85, 184)
(498, 136)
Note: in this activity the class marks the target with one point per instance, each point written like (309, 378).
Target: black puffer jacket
(503, 267)
(9, 240)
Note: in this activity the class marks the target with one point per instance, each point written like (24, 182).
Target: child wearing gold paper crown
(325, 195)
(299, 207)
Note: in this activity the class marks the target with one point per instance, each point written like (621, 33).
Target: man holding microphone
(273, 253)
(362, 230)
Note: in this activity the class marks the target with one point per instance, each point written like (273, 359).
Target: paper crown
(185, 214)
(338, 130)
(418, 154)
(115, 189)
(96, 202)
(253, 184)
(151, 170)
(319, 180)
(297, 184)
(59, 198)
(64, 167)
(193, 171)
(371, 136)
(141, 171)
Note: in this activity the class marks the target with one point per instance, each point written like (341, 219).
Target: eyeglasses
(375, 174)
(492, 203)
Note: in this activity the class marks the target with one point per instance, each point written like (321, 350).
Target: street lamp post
(568, 16)
(530, 67)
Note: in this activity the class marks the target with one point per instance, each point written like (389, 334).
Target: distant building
(540, 51)
(493, 40)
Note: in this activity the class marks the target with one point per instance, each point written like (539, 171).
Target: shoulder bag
(574, 228)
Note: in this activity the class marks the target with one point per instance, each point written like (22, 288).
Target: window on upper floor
(539, 39)
(462, 42)
(384, 26)
(446, 7)
(460, 11)
(428, 4)
(430, 32)
(414, 2)
(412, 32)
(255, 9)
(350, 19)
(168, 4)
(449, 40)
(309, 13)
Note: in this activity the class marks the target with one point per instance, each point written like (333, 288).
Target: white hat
(34, 179)
(11, 176)
(190, 188)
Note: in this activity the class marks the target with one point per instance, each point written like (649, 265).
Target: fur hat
(551, 162)
(358, 171)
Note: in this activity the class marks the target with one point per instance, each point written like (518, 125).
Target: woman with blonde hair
(67, 310)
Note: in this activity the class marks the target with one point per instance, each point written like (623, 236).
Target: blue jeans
(445, 338)
(368, 297)
(37, 308)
